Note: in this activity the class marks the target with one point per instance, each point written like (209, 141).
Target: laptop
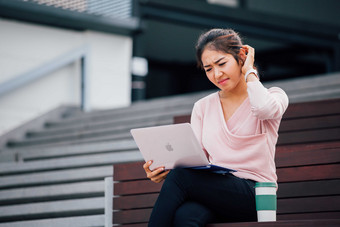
(173, 146)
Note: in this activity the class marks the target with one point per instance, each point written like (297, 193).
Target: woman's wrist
(251, 75)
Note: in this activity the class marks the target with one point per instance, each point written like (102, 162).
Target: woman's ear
(242, 55)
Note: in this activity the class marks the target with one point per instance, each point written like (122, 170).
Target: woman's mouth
(223, 81)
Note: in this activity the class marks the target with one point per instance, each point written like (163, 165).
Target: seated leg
(192, 214)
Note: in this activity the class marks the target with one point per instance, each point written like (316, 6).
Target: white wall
(25, 46)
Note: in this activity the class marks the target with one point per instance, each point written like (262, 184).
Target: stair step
(69, 163)
(86, 127)
(64, 208)
(44, 144)
(55, 177)
(92, 132)
(177, 101)
(52, 192)
(72, 150)
(135, 117)
(78, 221)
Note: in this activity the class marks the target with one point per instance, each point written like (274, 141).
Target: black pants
(197, 197)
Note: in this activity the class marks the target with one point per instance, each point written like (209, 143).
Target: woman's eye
(222, 64)
(208, 70)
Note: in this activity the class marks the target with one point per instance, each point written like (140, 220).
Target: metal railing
(47, 68)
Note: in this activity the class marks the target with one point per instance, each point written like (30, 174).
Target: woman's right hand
(157, 175)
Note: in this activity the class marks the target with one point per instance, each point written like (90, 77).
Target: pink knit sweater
(246, 142)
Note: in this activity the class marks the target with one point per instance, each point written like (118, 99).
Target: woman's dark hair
(225, 40)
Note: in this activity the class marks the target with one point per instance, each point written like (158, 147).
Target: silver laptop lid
(170, 146)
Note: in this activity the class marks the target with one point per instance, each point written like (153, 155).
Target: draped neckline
(230, 123)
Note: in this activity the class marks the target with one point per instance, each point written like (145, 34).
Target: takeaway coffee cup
(265, 201)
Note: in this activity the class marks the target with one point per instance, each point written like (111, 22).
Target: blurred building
(63, 52)
(292, 38)
(55, 52)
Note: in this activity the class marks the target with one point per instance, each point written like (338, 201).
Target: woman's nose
(217, 73)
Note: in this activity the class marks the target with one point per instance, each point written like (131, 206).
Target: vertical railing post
(84, 83)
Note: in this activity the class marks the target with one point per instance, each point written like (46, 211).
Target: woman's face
(221, 69)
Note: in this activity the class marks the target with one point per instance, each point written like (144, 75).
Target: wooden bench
(308, 169)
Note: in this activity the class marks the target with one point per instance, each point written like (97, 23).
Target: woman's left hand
(249, 62)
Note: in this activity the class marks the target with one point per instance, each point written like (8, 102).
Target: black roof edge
(46, 15)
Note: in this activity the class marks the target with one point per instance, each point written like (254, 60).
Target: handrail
(45, 69)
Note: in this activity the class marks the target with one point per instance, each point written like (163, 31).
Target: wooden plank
(309, 188)
(308, 219)
(315, 108)
(284, 155)
(291, 223)
(307, 157)
(136, 225)
(134, 202)
(304, 173)
(296, 110)
(309, 136)
(182, 119)
(286, 190)
(307, 146)
(308, 205)
(128, 171)
(329, 121)
(308, 173)
(295, 136)
(136, 187)
(305, 216)
(131, 216)
(314, 219)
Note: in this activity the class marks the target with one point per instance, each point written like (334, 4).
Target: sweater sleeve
(266, 103)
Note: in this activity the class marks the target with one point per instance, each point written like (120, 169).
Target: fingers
(147, 165)
(157, 175)
(159, 178)
(249, 62)
(248, 49)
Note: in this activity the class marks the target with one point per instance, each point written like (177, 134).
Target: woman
(237, 127)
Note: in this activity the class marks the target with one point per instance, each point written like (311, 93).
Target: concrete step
(88, 126)
(26, 154)
(310, 83)
(119, 131)
(34, 124)
(63, 208)
(77, 221)
(327, 93)
(93, 132)
(177, 101)
(69, 163)
(43, 144)
(135, 117)
(132, 110)
(55, 177)
(74, 136)
(52, 192)
(95, 135)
